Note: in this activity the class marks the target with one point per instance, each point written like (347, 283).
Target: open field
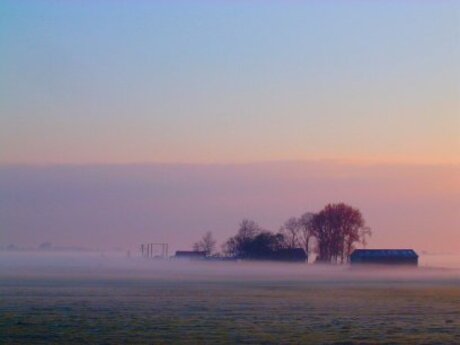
(99, 306)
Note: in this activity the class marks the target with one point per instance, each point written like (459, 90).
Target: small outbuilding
(190, 254)
(284, 255)
(290, 255)
(384, 257)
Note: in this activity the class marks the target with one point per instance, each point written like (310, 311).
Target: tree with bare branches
(306, 230)
(247, 231)
(207, 244)
(291, 231)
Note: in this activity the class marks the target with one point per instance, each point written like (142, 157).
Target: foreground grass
(242, 312)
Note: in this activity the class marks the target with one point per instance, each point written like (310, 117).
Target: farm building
(290, 255)
(187, 254)
(384, 256)
(285, 255)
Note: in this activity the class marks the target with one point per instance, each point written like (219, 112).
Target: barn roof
(284, 254)
(290, 254)
(384, 253)
(190, 253)
(298, 252)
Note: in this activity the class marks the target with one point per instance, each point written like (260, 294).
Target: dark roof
(384, 253)
(289, 254)
(286, 254)
(190, 253)
(295, 252)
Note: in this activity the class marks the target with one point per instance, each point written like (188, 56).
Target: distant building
(191, 255)
(290, 255)
(285, 255)
(384, 257)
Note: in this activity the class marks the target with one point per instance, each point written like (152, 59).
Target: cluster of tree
(332, 233)
(253, 242)
(337, 228)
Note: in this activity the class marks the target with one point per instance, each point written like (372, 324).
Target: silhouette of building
(285, 255)
(190, 254)
(290, 255)
(384, 257)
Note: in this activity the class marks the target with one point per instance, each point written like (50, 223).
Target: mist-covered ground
(106, 298)
(60, 264)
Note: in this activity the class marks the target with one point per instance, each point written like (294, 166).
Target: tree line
(332, 234)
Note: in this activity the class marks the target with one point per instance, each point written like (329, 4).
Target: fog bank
(42, 267)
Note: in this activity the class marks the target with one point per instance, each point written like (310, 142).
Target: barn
(290, 255)
(384, 257)
(283, 254)
(190, 255)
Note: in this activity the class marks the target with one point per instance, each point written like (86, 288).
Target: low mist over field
(71, 298)
(108, 206)
(106, 297)
(433, 269)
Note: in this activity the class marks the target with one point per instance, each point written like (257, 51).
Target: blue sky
(202, 81)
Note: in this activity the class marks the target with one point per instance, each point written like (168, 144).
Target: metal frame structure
(148, 250)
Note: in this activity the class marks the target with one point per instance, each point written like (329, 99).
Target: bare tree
(364, 232)
(207, 244)
(247, 231)
(291, 231)
(306, 230)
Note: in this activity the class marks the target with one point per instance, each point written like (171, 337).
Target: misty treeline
(332, 234)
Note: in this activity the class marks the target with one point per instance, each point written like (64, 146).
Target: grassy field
(249, 311)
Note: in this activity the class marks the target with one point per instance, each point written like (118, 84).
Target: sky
(229, 81)
(121, 206)
(130, 121)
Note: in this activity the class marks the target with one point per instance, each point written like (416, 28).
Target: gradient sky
(104, 206)
(229, 81)
(87, 88)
